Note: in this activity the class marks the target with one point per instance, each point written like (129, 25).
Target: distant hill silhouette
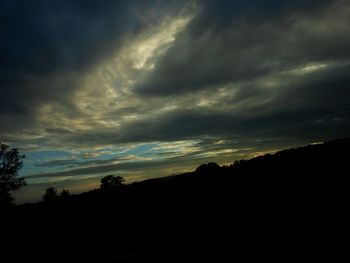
(283, 206)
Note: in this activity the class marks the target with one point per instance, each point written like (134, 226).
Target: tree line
(11, 161)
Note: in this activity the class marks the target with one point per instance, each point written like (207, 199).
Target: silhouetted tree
(65, 193)
(209, 168)
(10, 163)
(112, 182)
(50, 194)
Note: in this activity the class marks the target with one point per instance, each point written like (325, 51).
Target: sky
(145, 89)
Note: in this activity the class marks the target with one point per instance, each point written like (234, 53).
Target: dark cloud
(46, 46)
(315, 104)
(77, 163)
(130, 166)
(235, 41)
(58, 131)
(302, 123)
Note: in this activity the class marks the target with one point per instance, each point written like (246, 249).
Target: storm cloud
(218, 49)
(47, 47)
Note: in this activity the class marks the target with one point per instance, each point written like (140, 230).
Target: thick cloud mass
(89, 87)
(216, 49)
(47, 46)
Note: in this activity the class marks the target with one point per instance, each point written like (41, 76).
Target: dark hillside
(288, 205)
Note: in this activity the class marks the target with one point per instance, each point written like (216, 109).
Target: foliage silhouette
(207, 169)
(112, 182)
(65, 193)
(10, 163)
(50, 194)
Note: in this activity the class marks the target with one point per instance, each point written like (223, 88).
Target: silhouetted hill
(284, 206)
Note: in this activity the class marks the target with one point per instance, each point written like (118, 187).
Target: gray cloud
(47, 46)
(223, 46)
(77, 163)
(316, 104)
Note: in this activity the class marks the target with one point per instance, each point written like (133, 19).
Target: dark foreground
(289, 206)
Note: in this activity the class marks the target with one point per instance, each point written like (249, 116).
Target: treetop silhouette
(10, 163)
(50, 194)
(112, 182)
